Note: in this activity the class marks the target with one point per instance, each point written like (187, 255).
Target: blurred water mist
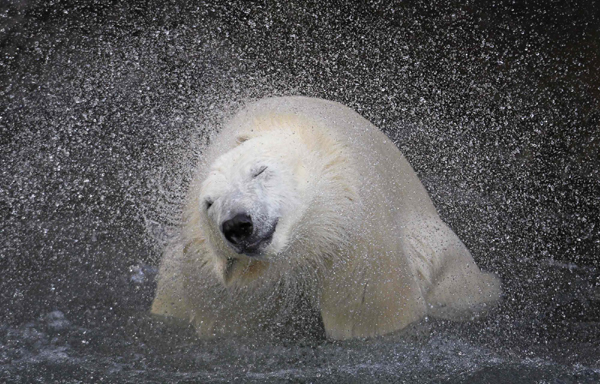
(103, 106)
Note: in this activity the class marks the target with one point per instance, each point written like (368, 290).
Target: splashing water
(105, 110)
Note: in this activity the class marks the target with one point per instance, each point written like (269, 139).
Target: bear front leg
(169, 300)
(188, 290)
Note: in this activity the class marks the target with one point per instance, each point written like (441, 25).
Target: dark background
(496, 104)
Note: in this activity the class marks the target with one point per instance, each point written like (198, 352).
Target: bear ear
(241, 138)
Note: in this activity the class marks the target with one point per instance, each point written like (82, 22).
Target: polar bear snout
(238, 229)
(245, 236)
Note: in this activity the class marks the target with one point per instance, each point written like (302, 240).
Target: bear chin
(303, 200)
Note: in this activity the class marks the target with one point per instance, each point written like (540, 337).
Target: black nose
(237, 229)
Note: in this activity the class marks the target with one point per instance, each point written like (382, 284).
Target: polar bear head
(285, 193)
(254, 196)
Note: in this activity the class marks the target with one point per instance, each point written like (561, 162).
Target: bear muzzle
(244, 237)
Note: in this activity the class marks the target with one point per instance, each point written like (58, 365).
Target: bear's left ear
(242, 137)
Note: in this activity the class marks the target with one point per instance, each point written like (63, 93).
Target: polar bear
(300, 206)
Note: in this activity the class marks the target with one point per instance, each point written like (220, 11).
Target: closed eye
(208, 204)
(260, 170)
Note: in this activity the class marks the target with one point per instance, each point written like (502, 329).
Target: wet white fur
(357, 234)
